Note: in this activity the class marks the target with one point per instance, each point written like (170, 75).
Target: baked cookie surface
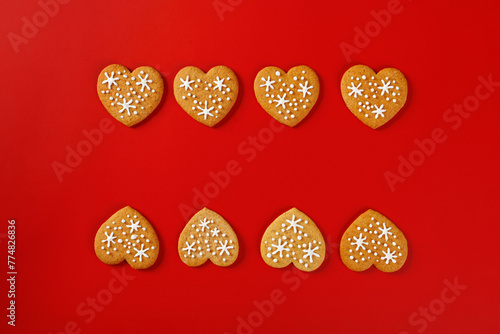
(287, 97)
(130, 97)
(372, 239)
(374, 98)
(208, 236)
(127, 235)
(293, 238)
(206, 97)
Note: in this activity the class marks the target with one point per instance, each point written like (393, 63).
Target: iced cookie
(208, 236)
(293, 238)
(128, 236)
(374, 98)
(372, 239)
(207, 97)
(287, 97)
(130, 97)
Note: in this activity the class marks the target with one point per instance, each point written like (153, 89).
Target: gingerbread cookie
(207, 97)
(374, 98)
(130, 97)
(287, 97)
(293, 238)
(127, 235)
(208, 236)
(372, 239)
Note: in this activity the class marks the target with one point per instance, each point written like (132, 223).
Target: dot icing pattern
(208, 235)
(373, 239)
(293, 238)
(127, 235)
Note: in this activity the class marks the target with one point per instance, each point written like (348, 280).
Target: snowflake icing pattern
(359, 242)
(310, 252)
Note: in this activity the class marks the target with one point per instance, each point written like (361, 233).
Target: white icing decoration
(389, 256)
(205, 111)
(126, 106)
(187, 84)
(111, 80)
(144, 82)
(219, 84)
(385, 87)
(280, 248)
(379, 111)
(189, 248)
(359, 242)
(142, 252)
(305, 90)
(268, 83)
(133, 226)
(310, 253)
(385, 231)
(281, 101)
(109, 238)
(204, 224)
(294, 223)
(224, 248)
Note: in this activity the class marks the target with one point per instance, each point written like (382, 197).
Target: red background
(331, 166)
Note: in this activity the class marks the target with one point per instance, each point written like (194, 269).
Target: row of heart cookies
(130, 97)
(293, 237)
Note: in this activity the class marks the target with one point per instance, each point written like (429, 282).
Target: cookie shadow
(316, 105)
(235, 107)
(158, 107)
(409, 97)
(161, 254)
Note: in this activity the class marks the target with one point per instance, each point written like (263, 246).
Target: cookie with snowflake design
(128, 236)
(207, 97)
(287, 97)
(372, 239)
(208, 236)
(374, 98)
(293, 238)
(129, 97)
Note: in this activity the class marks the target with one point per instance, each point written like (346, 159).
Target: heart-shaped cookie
(207, 97)
(129, 97)
(293, 238)
(372, 239)
(128, 236)
(208, 236)
(287, 97)
(374, 98)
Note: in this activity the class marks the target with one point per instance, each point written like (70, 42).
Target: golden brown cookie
(293, 238)
(127, 235)
(130, 97)
(372, 239)
(207, 97)
(287, 97)
(208, 235)
(374, 98)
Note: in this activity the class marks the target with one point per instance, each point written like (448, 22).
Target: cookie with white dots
(206, 97)
(374, 98)
(130, 97)
(208, 236)
(293, 238)
(127, 235)
(287, 97)
(372, 239)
